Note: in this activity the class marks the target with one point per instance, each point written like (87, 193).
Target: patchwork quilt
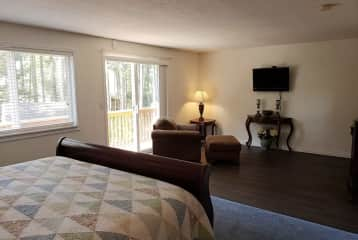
(65, 199)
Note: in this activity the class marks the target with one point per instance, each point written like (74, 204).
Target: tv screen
(271, 79)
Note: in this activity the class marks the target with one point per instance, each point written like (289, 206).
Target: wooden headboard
(193, 177)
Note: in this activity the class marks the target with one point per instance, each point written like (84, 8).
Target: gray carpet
(235, 221)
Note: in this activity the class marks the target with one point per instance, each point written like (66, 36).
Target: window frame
(30, 132)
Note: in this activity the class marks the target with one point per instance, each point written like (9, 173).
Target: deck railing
(121, 127)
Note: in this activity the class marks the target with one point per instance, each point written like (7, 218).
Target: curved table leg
(289, 136)
(278, 135)
(213, 128)
(249, 141)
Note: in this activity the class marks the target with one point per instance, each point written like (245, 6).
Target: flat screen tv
(271, 79)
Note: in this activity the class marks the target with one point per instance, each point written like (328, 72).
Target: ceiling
(198, 25)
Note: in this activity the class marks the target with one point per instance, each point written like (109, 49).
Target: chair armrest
(189, 127)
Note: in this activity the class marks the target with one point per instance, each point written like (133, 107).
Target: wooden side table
(203, 124)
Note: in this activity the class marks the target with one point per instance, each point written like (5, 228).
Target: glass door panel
(121, 102)
(148, 94)
(132, 103)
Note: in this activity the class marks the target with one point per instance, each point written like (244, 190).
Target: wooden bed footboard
(193, 177)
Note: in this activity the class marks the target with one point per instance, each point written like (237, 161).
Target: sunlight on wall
(188, 111)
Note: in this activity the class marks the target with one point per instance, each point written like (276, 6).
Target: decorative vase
(266, 143)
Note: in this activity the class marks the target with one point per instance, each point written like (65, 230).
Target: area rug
(235, 221)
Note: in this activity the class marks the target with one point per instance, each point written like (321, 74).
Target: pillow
(165, 124)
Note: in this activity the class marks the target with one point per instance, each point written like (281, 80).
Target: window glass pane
(119, 85)
(149, 81)
(120, 77)
(4, 92)
(35, 91)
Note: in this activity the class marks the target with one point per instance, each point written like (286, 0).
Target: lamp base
(201, 111)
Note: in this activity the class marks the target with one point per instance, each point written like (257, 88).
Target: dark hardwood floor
(306, 186)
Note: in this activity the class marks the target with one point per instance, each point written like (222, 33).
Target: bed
(89, 191)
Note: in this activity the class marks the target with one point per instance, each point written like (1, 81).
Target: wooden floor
(306, 186)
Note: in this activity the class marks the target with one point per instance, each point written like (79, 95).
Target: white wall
(323, 100)
(182, 77)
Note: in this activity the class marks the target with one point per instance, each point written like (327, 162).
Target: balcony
(122, 130)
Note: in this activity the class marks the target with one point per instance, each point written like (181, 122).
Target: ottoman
(222, 148)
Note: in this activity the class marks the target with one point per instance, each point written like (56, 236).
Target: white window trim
(53, 129)
(38, 133)
(110, 55)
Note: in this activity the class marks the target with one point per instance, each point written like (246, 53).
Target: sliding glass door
(148, 103)
(132, 103)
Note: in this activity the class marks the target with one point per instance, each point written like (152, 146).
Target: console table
(274, 119)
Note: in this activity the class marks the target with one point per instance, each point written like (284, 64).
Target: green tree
(4, 96)
(147, 94)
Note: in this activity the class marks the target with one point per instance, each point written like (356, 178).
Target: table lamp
(201, 96)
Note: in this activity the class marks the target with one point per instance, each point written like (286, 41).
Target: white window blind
(36, 92)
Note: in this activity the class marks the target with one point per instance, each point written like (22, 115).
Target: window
(36, 92)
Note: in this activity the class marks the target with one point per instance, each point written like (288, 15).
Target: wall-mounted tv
(271, 79)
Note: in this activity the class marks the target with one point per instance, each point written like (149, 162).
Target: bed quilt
(65, 199)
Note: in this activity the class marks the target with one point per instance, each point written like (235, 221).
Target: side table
(203, 124)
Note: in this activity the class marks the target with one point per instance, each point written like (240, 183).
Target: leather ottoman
(222, 148)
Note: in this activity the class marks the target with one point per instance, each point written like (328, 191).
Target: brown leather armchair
(176, 141)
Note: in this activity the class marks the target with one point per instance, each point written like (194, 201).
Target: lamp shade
(201, 96)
